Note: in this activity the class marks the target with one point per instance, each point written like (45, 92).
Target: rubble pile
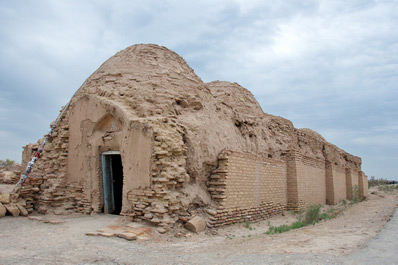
(12, 204)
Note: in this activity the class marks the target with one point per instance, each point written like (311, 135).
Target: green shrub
(330, 214)
(278, 229)
(248, 225)
(312, 215)
(356, 194)
(284, 228)
(297, 224)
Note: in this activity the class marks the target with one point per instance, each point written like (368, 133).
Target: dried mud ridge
(351, 238)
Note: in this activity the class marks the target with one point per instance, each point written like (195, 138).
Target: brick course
(335, 183)
(247, 187)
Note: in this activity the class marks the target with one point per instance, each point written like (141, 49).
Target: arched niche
(108, 123)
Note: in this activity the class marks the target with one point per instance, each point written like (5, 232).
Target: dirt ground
(350, 238)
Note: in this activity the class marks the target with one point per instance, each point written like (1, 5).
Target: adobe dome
(169, 131)
(152, 81)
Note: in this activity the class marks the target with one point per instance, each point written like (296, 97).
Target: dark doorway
(112, 179)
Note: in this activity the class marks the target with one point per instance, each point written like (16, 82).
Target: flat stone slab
(22, 210)
(92, 234)
(106, 234)
(127, 235)
(46, 220)
(13, 209)
(3, 210)
(131, 231)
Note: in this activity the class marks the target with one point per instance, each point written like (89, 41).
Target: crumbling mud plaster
(173, 131)
(98, 131)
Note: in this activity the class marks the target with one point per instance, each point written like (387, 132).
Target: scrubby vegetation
(388, 188)
(249, 226)
(6, 163)
(311, 216)
(376, 182)
(284, 228)
(356, 194)
(383, 184)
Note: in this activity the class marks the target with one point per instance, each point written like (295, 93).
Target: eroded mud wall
(100, 127)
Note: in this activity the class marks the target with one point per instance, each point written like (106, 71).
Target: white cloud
(328, 65)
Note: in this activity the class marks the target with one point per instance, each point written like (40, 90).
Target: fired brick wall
(312, 180)
(363, 184)
(247, 187)
(335, 183)
(306, 181)
(351, 182)
(253, 179)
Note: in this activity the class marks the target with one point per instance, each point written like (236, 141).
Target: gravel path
(25, 241)
(383, 249)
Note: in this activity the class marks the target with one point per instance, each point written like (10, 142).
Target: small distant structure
(391, 182)
(145, 137)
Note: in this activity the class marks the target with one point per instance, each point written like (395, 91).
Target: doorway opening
(112, 181)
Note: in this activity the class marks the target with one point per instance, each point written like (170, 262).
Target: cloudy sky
(328, 65)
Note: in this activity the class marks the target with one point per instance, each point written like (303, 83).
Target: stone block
(3, 210)
(22, 202)
(106, 234)
(127, 235)
(14, 197)
(22, 210)
(211, 212)
(12, 208)
(5, 198)
(161, 230)
(196, 224)
(92, 233)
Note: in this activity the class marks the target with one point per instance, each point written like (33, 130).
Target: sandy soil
(355, 226)
(343, 240)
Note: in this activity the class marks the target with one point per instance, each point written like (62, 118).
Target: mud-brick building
(145, 137)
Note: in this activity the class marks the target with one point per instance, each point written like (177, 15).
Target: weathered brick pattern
(293, 202)
(351, 182)
(46, 190)
(161, 203)
(253, 179)
(247, 187)
(363, 184)
(306, 181)
(335, 183)
(313, 183)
